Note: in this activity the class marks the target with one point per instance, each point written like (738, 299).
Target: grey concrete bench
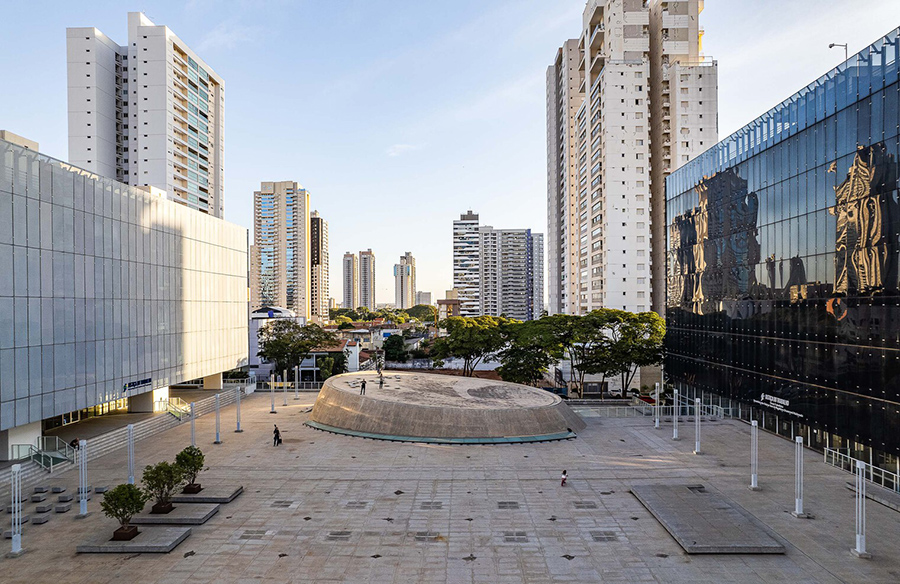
(58, 489)
(40, 519)
(64, 498)
(62, 508)
(39, 498)
(44, 508)
(40, 489)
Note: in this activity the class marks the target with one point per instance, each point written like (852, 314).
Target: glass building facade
(108, 291)
(783, 283)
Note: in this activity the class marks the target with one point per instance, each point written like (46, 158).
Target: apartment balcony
(597, 36)
(597, 64)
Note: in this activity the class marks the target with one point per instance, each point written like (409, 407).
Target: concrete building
(405, 282)
(281, 268)
(351, 281)
(423, 298)
(465, 263)
(318, 261)
(19, 140)
(367, 279)
(605, 187)
(149, 113)
(511, 272)
(564, 97)
(110, 295)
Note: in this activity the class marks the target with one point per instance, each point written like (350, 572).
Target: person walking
(565, 475)
(362, 387)
(276, 439)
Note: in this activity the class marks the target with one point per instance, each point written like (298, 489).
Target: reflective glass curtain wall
(782, 259)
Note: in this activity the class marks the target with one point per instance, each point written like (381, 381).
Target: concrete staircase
(32, 473)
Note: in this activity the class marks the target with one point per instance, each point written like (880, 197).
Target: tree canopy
(469, 339)
(395, 349)
(287, 343)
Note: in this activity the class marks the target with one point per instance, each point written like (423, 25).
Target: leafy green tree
(287, 343)
(161, 479)
(191, 461)
(530, 350)
(123, 502)
(326, 367)
(638, 341)
(422, 312)
(395, 349)
(469, 339)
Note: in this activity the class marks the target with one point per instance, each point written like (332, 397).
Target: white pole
(193, 435)
(656, 425)
(284, 387)
(675, 417)
(130, 454)
(218, 438)
(16, 487)
(860, 550)
(272, 393)
(798, 478)
(754, 456)
(237, 400)
(296, 382)
(82, 478)
(697, 425)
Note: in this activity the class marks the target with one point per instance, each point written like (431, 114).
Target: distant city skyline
(436, 124)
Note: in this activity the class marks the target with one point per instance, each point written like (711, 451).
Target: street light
(833, 45)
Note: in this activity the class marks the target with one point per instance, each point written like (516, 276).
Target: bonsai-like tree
(190, 460)
(123, 502)
(161, 479)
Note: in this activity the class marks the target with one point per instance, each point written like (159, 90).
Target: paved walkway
(329, 508)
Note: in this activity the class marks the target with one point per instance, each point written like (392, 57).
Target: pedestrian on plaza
(74, 443)
(362, 387)
(565, 475)
(277, 436)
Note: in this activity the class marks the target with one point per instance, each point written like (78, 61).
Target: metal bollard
(296, 382)
(697, 412)
(193, 434)
(860, 550)
(656, 424)
(15, 478)
(218, 438)
(130, 454)
(675, 407)
(237, 401)
(798, 479)
(754, 455)
(272, 393)
(284, 387)
(82, 479)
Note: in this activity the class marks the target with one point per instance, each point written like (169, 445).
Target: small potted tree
(191, 462)
(122, 503)
(160, 481)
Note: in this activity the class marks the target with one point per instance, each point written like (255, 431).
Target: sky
(399, 115)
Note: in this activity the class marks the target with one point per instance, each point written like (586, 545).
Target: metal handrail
(30, 452)
(178, 407)
(56, 444)
(879, 476)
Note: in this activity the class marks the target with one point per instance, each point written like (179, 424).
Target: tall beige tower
(614, 130)
(350, 281)
(367, 279)
(280, 262)
(318, 259)
(405, 282)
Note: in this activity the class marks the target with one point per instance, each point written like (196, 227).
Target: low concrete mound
(426, 407)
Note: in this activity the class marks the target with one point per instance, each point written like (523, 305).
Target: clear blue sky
(399, 115)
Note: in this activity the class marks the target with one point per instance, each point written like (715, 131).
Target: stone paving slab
(879, 494)
(150, 540)
(704, 522)
(215, 494)
(183, 514)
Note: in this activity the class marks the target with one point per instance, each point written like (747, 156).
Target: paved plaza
(332, 508)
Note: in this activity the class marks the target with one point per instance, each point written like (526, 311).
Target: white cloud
(400, 149)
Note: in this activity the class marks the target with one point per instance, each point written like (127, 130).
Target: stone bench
(64, 498)
(40, 519)
(101, 490)
(44, 508)
(39, 498)
(58, 489)
(40, 489)
(62, 508)
(88, 489)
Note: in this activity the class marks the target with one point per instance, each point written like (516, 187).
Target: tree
(529, 352)
(570, 333)
(395, 349)
(160, 481)
(422, 312)
(326, 367)
(123, 502)
(638, 342)
(191, 461)
(287, 343)
(469, 339)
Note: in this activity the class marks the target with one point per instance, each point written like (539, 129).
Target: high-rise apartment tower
(351, 281)
(405, 282)
(511, 272)
(630, 102)
(465, 263)
(367, 279)
(149, 113)
(280, 269)
(318, 261)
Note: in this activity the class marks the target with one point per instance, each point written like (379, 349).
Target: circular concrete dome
(427, 407)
